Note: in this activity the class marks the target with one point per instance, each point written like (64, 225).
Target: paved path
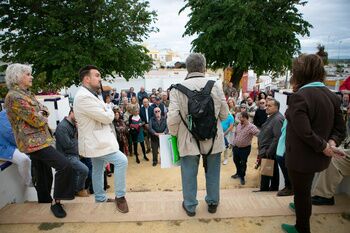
(155, 206)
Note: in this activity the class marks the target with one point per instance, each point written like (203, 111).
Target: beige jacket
(178, 103)
(95, 135)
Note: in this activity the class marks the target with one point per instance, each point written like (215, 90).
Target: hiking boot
(317, 200)
(189, 213)
(121, 204)
(285, 192)
(225, 162)
(58, 210)
(82, 193)
(289, 228)
(235, 176)
(212, 208)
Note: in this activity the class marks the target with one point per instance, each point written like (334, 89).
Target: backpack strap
(205, 164)
(208, 87)
(184, 90)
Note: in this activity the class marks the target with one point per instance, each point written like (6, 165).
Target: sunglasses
(156, 111)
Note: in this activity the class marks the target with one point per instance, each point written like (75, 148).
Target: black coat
(66, 138)
(260, 117)
(143, 114)
(314, 117)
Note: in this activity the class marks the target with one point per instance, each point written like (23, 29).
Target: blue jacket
(7, 139)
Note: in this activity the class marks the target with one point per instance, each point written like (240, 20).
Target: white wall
(154, 79)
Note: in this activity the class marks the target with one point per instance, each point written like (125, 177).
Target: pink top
(244, 135)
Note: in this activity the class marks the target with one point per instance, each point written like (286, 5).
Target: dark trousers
(281, 162)
(43, 161)
(302, 183)
(240, 157)
(142, 147)
(269, 183)
(155, 147)
(42, 180)
(88, 182)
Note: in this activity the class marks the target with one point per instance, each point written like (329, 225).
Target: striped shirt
(244, 135)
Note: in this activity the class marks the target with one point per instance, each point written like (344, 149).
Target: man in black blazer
(146, 114)
(268, 137)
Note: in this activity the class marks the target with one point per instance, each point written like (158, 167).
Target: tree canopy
(59, 37)
(256, 34)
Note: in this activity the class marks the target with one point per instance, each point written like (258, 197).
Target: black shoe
(235, 176)
(137, 160)
(148, 151)
(190, 214)
(58, 210)
(212, 208)
(285, 192)
(242, 180)
(145, 157)
(317, 200)
(154, 164)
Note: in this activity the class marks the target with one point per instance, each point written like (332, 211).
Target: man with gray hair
(187, 144)
(268, 137)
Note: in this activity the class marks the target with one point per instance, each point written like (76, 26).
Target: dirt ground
(144, 177)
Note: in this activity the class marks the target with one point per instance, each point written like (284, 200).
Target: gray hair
(14, 74)
(195, 62)
(275, 102)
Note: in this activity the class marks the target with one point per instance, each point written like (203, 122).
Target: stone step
(158, 206)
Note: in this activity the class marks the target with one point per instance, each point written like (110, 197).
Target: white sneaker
(224, 162)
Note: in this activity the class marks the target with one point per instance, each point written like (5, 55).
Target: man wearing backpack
(196, 109)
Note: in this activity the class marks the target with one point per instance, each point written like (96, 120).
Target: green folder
(175, 156)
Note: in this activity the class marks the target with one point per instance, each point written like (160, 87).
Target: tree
(256, 34)
(322, 53)
(60, 37)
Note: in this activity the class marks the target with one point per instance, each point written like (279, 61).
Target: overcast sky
(330, 20)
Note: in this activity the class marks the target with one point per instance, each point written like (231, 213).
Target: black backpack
(201, 120)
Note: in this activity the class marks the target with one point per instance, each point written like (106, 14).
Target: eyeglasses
(156, 111)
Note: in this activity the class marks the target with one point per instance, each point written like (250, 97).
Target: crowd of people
(103, 128)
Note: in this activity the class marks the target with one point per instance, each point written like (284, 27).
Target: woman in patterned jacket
(29, 121)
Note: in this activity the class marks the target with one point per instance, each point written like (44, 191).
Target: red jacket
(345, 85)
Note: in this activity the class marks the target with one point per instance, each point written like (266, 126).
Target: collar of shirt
(92, 92)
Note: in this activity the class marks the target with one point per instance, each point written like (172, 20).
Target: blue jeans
(80, 171)
(226, 142)
(189, 171)
(98, 165)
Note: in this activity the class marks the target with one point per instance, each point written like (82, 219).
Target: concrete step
(158, 206)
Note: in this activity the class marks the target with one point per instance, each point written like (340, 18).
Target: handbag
(267, 167)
